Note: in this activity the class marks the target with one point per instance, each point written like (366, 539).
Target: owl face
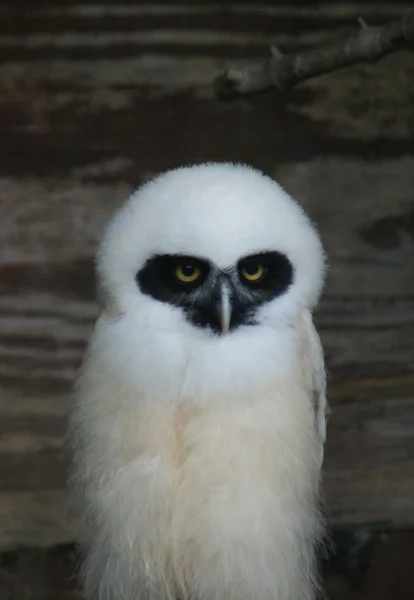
(217, 299)
(202, 275)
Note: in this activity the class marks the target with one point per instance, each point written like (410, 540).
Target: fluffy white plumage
(196, 457)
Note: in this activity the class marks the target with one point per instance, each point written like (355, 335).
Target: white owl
(198, 427)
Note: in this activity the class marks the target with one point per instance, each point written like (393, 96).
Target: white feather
(196, 458)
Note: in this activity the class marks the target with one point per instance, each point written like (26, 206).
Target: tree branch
(283, 71)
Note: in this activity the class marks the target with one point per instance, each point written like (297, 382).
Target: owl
(197, 430)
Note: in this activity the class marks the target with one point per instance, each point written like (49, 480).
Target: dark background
(95, 97)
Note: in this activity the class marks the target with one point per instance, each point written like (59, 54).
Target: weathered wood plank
(33, 518)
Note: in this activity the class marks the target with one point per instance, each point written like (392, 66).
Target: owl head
(208, 265)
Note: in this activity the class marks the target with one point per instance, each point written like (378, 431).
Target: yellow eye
(187, 273)
(253, 271)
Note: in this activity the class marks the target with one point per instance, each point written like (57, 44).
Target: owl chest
(236, 459)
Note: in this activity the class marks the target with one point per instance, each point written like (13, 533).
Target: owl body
(196, 456)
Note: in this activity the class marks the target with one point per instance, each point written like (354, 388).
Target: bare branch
(369, 44)
(363, 23)
(275, 52)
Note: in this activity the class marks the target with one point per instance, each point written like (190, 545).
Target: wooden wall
(95, 97)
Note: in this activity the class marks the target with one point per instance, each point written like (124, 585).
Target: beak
(224, 307)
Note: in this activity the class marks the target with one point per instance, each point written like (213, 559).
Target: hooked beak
(224, 307)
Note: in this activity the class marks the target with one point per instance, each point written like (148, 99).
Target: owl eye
(187, 272)
(253, 271)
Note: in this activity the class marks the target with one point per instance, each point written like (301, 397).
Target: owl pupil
(188, 270)
(251, 268)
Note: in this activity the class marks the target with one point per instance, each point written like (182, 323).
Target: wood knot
(389, 233)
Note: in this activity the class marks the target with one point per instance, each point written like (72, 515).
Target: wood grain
(98, 96)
